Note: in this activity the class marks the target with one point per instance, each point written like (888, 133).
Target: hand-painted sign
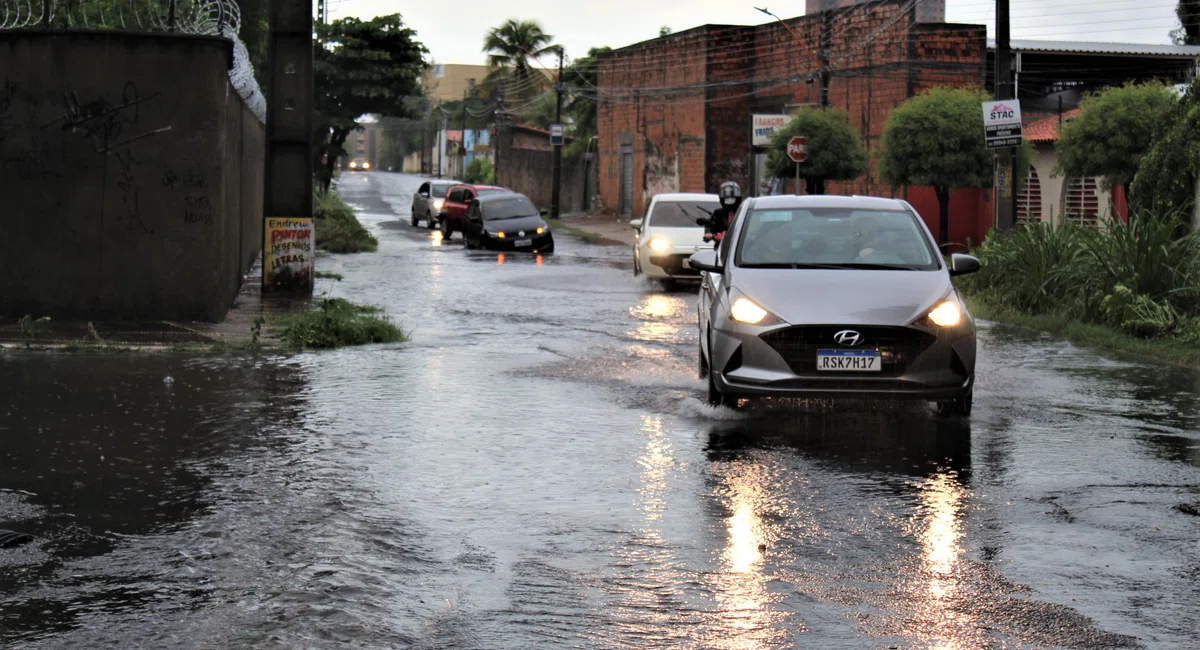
(765, 126)
(1002, 123)
(288, 254)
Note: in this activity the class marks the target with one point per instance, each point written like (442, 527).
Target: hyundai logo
(848, 338)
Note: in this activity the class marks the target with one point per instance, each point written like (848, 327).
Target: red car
(458, 197)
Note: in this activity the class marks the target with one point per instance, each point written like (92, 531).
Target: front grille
(897, 346)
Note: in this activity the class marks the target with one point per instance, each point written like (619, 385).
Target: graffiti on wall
(197, 207)
(288, 262)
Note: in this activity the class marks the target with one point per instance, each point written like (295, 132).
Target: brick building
(676, 113)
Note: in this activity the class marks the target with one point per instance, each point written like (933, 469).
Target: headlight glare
(745, 310)
(366, 165)
(438, 203)
(500, 235)
(659, 245)
(946, 314)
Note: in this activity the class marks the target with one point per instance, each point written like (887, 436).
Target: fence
(196, 17)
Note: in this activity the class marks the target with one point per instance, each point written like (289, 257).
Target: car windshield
(491, 192)
(439, 191)
(513, 208)
(834, 238)
(681, 214)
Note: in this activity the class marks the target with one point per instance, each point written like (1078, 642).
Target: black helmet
(730, 193)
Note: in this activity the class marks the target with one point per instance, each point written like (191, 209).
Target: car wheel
(446, 231)
(430, 222)
(667, 285)
(703, 362)
(637, 268)
(957, 407)
(414, 220)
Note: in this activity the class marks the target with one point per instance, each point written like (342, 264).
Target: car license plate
(523, 242)
(849, 360)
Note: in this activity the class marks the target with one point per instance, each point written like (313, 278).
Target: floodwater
(536, 469)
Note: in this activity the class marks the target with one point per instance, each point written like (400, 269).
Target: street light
(824, 99)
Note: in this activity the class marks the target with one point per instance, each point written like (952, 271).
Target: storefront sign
(765, 126)
(288, 254)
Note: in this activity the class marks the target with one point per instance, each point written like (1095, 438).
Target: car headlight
(438, 203)
(541, 229)
(659, 245)
(947, 314)
(366, 165)
(353, 165)
(745, 310)
(500, 235)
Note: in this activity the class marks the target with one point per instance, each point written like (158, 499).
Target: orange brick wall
(692, 139)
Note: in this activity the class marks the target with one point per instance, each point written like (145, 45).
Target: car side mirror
(961, 264)
(706, 260)
(424, 195)
(636, 224)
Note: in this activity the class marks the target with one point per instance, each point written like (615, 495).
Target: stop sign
(797, 149)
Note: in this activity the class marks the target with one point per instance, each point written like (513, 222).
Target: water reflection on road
(536, 469)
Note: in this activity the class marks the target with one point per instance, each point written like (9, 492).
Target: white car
(669, 234)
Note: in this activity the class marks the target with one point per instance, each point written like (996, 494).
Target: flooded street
(537, 469)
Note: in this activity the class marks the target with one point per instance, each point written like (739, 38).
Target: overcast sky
(454, 31)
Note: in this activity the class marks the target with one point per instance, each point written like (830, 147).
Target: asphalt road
(536, 469)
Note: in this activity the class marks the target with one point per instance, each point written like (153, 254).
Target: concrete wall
(133, 176)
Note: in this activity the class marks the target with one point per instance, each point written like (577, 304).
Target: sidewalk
(237, 328)
(602, 228)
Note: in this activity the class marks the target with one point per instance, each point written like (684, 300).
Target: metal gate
(626, 181)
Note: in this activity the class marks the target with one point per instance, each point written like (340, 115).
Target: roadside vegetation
(1130, 286)
(338, 230)
(336, 323)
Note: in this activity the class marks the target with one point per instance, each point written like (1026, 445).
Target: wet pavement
(536, 469)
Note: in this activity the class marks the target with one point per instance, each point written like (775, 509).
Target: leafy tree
(936, 139)
(253, 34)
(835, 151)
(1189, 21)
(581, 76)
(480, 171)
(1165, 183)
(664, 31)
(361, 67)
(1114, 130)
(511, 48)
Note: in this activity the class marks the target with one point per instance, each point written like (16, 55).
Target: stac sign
(797, 149)
(1002, 123)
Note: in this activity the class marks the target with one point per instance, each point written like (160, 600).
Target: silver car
(832, 296)
(428, 201)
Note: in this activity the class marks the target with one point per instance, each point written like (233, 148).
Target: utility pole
(1006, 192)
(463, 124)
(826, 46)
(323, 12)
(287, 206)
(557, 189)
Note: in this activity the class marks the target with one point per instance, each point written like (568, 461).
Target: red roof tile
(1045, 129)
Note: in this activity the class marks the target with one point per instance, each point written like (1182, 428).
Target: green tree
(664, 31)
(1165, 183)
(1114, 130)
(253, 34)
(511, 48)
(936, 139)
(360, 68)
(582, 78)
(835, 151)
(1188, 33)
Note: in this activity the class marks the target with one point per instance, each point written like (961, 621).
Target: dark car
(507, 221)
(458, 198)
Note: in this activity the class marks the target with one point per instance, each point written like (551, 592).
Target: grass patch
(325, 275)
(1169, 350)
(338, 230)
(337, 323)
(589, 237)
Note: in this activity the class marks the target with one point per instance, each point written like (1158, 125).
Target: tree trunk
(943, 197)
(814, 185)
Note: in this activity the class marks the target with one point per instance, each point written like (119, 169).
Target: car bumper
(669, 266)
(538, 243)
(780, 361)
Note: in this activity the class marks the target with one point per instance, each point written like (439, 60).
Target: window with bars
(1029, 199)
(1082, 204)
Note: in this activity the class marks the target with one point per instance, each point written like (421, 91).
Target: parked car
(428, 201)
(668, 235)
(507, 221)
(454, 211)
(829, 296)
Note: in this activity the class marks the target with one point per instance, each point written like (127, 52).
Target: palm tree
(510, 47)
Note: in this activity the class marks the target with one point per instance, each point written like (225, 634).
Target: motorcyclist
(730, 196)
